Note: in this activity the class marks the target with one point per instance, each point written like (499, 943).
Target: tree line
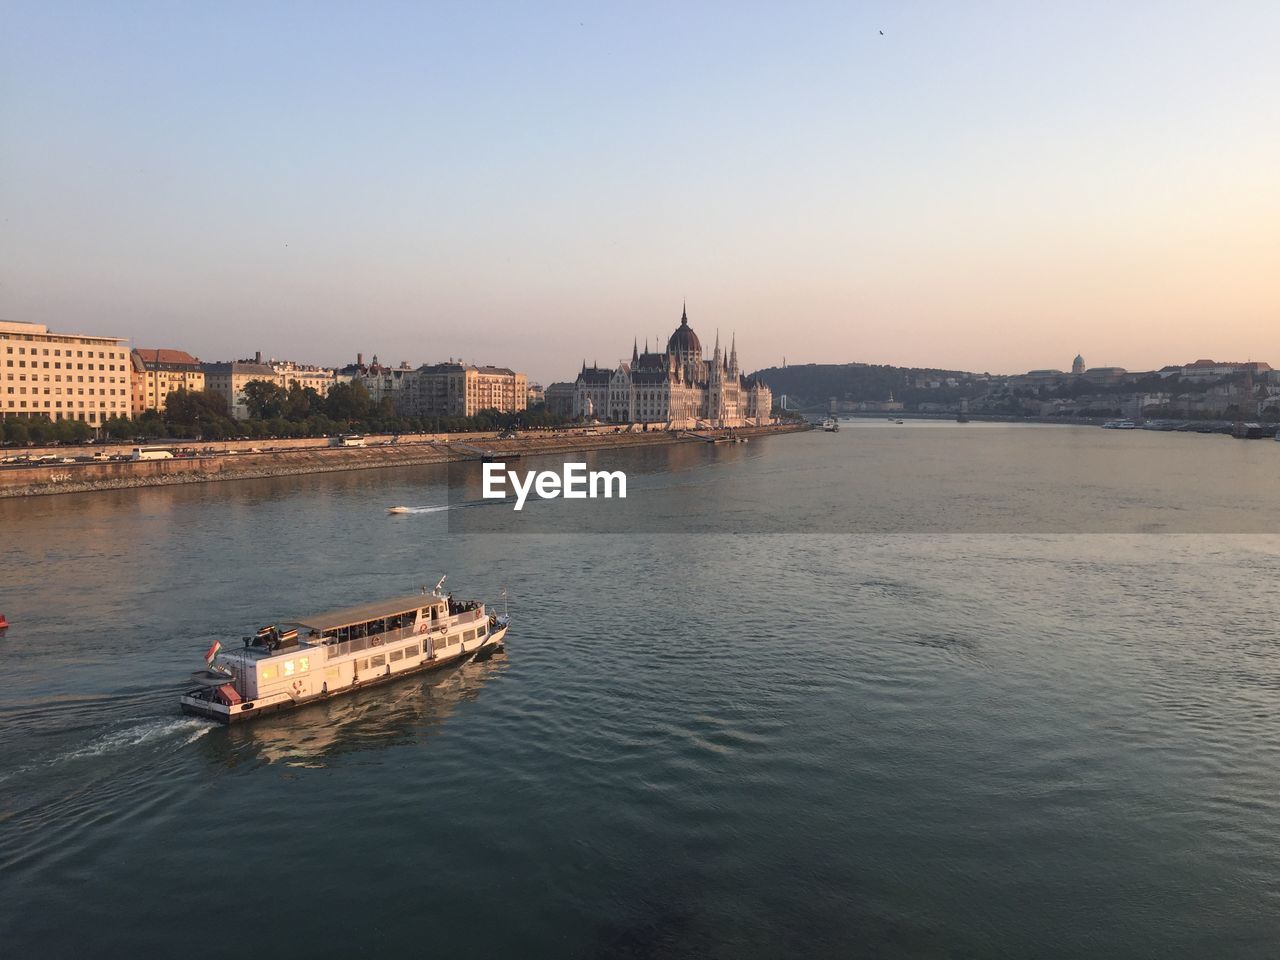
(274, 411)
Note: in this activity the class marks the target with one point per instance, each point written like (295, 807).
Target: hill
(813, 384)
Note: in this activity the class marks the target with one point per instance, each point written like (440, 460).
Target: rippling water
(732, 745)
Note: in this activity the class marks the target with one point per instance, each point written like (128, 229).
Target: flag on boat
(213, 652)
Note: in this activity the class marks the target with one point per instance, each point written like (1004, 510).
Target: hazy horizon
(993, 189)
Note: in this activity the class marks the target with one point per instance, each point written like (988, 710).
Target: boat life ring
(375, 642)
(297, 688)
(423, 628)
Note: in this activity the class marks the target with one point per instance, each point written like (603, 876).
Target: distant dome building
(1077, 365)
(676, 388)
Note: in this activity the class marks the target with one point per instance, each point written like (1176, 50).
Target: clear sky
(988, 186)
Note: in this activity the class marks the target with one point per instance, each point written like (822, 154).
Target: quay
(195, 462)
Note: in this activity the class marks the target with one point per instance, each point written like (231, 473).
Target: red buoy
(3, 622)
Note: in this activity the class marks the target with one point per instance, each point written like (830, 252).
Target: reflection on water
(386, 715)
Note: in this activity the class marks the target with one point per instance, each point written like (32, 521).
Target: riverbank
(244, 461)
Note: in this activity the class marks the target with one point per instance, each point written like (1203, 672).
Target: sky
(984, 186)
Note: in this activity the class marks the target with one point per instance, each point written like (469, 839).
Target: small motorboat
(4, 624)
(398, 510)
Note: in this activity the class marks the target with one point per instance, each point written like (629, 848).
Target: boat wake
(495, 502)
(140, 734)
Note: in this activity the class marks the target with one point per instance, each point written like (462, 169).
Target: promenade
(242, 460)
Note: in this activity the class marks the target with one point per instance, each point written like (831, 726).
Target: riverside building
(157, 373)
(677, 388)
(63, 376)
(229, 379)
(463, 390)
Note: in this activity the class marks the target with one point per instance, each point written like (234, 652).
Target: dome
(684, 340)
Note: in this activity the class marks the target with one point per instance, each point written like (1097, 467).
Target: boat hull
(275, 703)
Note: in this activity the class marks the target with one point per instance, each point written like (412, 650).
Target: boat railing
(402, 633)
(370, 642)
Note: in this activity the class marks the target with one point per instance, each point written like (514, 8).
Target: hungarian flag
(213, 652)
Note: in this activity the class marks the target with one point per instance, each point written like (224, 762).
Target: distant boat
(1119, 425)
(4, 624)
(897, 421)
(831, 425)
(398, 510)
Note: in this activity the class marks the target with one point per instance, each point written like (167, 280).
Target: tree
(16, 431)
(40, 428)
(71, 431)
(348, 401)
(194, 407)
(301, 402)
(265, 399)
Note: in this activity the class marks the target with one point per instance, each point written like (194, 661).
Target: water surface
(900, 743)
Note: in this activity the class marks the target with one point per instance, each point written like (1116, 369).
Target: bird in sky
(882, 33)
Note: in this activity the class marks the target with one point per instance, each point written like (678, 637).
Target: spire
(635, 350)
(684, 313)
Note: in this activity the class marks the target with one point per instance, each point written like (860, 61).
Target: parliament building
(676, 388)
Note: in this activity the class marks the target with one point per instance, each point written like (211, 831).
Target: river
(913, 691)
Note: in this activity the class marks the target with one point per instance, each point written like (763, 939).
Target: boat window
(364, 664)
(482, 631)
(411, 651)
(397, 655)
(303, 665)
(286, 669)
(378, 661)
(268, 673)
(469, 635)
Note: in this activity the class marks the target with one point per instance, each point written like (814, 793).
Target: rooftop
(159, 356)
(364, 612)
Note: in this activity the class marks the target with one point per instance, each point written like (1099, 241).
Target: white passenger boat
(831, 425)
(1119, 425)
(309, 659)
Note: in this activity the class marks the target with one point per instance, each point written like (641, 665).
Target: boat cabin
(403, 616)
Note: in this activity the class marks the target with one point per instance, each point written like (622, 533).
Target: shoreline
(230, 464)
